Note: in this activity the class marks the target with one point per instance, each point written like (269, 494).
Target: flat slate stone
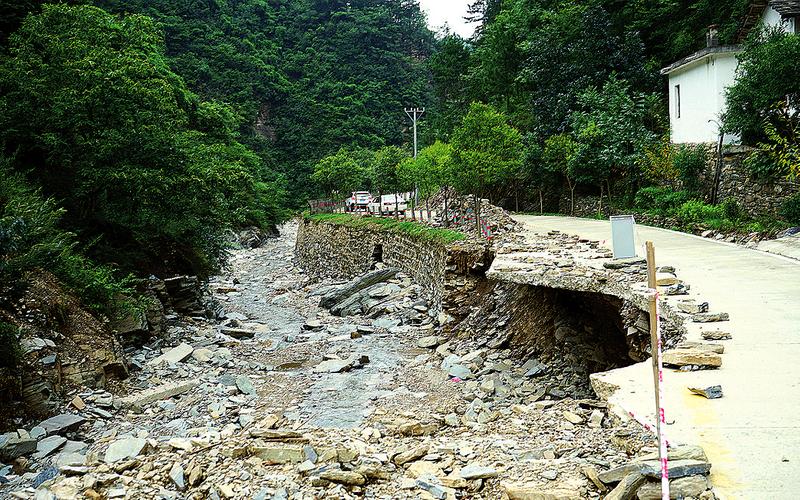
(157, 393)
(677, 468)
(244, 384)
(710, 317)
(65, 422)
(473, 471)
(121, 449)
(48, 445)
(12, 446)
(713, 392)
(174, 355)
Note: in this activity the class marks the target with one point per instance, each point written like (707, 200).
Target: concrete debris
(712, 392)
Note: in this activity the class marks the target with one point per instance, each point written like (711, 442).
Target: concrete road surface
(752, 434)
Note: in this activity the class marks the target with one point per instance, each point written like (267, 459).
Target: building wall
(772, 18)
(702, 99)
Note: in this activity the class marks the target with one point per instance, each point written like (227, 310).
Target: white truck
(358, 202)
(387, 204)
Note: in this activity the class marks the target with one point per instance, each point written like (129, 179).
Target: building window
(677, 101)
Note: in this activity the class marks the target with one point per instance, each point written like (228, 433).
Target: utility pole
(414, 114)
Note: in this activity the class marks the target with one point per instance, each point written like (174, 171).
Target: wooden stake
(651, 284)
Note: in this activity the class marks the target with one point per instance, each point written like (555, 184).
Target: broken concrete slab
(710, 317)
(692, 357)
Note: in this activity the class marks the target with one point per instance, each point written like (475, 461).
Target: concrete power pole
(414, 114)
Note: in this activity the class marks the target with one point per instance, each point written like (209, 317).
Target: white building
(697, 82)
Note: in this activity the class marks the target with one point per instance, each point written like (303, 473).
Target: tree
(140, 163)
(485, 150)
(559, 155)
(611, 131)
(340, 174)
(386, 171)
(765, 98)
(430, 171)
(535, 171)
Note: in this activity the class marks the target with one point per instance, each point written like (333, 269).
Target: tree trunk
(478, 215)
(516, 199)
(396, 207)
(541, 203)
(600, 206)
(446, 215)
(571, 197)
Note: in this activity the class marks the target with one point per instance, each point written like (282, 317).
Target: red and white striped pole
(658, 368)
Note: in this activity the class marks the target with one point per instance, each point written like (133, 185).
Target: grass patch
(409, 228)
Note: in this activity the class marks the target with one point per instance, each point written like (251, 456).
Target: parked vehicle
(359, 201)
(386, 204)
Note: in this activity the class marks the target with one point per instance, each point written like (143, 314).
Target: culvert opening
(377, 254)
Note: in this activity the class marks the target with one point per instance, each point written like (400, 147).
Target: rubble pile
(298, 389)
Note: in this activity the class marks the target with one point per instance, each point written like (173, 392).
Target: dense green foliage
(764, 101)
(413, 229)
(791, 210)
(30, 237)
(143, 166)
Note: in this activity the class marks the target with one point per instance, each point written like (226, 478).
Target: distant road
(752, 434)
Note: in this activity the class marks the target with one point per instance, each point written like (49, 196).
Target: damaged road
(304, 389)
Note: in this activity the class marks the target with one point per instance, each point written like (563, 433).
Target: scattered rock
(684, 487)
(429, 342)
(66, 422)
(174, 355)
(244, 384)
(627, 487)
(48, 445)
(129, 447)
(710, 317)
(178, 476)
(13, 446)
(283, 454)
(157, 393)
(713, 392)
(343, 477)
(716, 335)
(474, 471)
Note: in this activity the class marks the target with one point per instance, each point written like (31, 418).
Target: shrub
(690, 162)
(9, 345)
(662, 200)
(30, 238)
(731, 209)
(790, 210)
(695, 212)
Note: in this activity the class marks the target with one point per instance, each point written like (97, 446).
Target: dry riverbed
(281, 400)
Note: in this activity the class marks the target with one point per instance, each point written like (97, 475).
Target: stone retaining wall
(330, 250)
(756, 197)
